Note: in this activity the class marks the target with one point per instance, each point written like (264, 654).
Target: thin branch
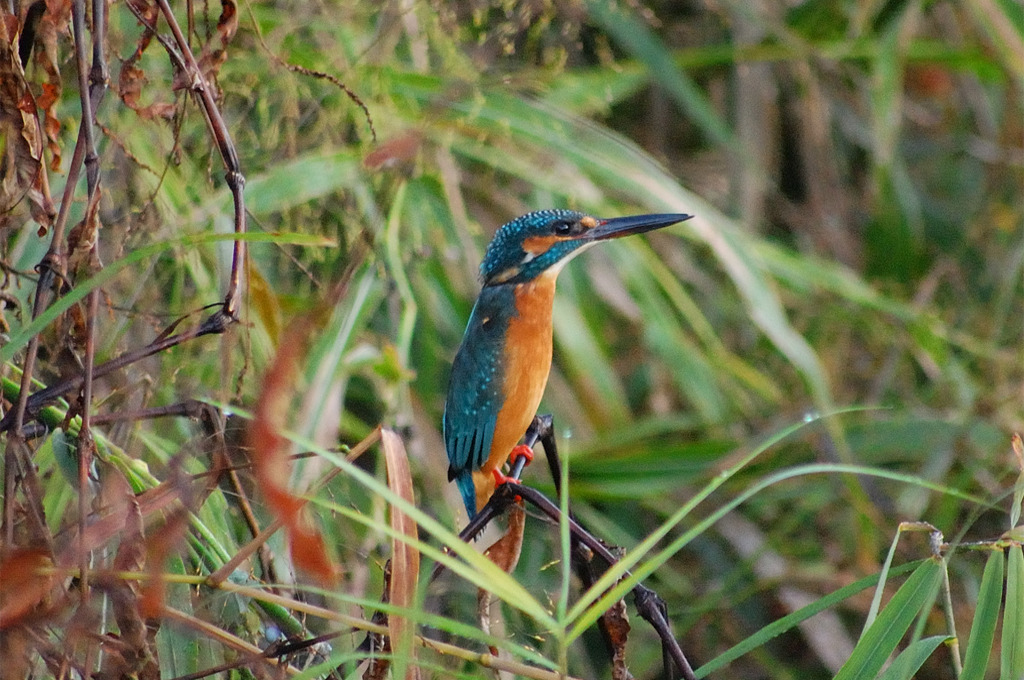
(650, 606)
(215, 324)
(86, 444)
(197, 84)
(53, 266)
(88, 114)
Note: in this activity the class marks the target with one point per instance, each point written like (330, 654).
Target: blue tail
(465, 483)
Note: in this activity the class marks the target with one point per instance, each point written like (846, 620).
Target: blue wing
(475, 390)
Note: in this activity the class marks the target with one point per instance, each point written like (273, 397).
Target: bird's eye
(562, 227)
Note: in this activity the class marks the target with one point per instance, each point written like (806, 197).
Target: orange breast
(528, 362)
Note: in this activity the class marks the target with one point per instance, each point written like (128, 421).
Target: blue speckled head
(546, 239)
(507, 260)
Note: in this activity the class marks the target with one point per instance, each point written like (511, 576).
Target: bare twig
(650, 606)
(53, 266)
(215, 324)
(86, 444)
(196, 82)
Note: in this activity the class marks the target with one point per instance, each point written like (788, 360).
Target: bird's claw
(520, 457)
(500, 478)
(521, 451)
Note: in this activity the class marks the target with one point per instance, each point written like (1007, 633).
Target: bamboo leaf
(1011, 666)
(881, 639)
(1018, 488)
(789, 621)
(912, 658)
(986, 615)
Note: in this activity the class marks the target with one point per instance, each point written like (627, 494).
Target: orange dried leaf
(616, 624)
(163, 542)
(215, 53)
(129, 87)
(158, 549)
(227, 24)
(505, 553)
(53, 22)
(129, 84)
(394, 151)
(272, 466)
(131, 553)
(23, 589)
(19, 125)
(59, 12)
(506, 550)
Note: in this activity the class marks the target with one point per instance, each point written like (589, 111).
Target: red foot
(521, 451)
(500, 479)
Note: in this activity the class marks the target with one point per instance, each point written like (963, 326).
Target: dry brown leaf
(227, 23)
(54, 21)
(18, 648)
(616, 625)
(405, 559)
(134, 652)
(129, 87)
(131, 552)
(103, 528)
(25, 174)
(215, 52)
(163, 542)
(131, 79)
(158, 548)
(138, 632)
(394, 151)
(504, 552)
(272, 465)
(23, 590)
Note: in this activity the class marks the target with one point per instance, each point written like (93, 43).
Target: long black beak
(636, 224)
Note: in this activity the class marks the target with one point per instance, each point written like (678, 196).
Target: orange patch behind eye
(538, 245)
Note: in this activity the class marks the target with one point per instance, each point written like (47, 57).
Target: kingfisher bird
(501, 368)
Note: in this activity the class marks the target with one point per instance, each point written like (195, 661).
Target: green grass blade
(876, 601)
(1018, 487)
(299, 181)
(1001, 20)
(912, 658)
(789, 621)
(638, 39)
(476, 568)
(574, 338)
(983, 630)
(592, 603)
(1011, 665)
(589, 607)
(885, 633)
